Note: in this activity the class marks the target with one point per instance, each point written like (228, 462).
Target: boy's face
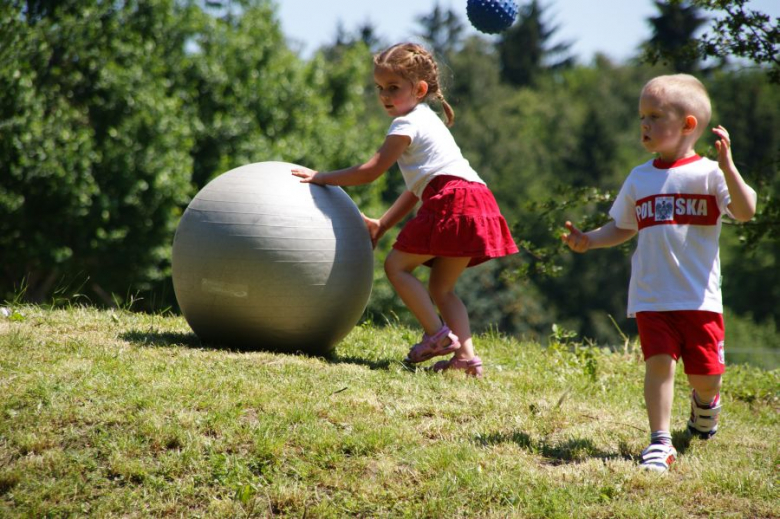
(663, 127)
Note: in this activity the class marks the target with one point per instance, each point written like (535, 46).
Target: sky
(612, 27)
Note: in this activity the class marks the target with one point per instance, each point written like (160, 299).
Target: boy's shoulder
(647, 165)
(641, 171)
(697, 164)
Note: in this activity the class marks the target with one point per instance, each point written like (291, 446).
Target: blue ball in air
(491, 16)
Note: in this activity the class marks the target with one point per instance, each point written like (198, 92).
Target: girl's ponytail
(449, 113)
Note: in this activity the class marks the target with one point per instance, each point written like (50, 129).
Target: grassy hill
(110, 413)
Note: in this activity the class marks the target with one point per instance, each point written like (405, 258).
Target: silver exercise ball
(264, 262)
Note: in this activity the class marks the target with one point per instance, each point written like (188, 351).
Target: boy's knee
(705, 384)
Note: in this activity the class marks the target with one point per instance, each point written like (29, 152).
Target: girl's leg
(399, 267)
(659, 391)
(444, 276)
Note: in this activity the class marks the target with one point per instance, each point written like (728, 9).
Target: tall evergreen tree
(443, 30)
(595, 151)
(365, 33)
(674, 35)
(525, 50)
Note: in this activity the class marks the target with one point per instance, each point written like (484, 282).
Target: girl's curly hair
(415, 63)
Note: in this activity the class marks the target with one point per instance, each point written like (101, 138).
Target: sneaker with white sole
(704, 420)
(658, 457)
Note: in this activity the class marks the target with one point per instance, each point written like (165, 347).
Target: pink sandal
(472, 367)
(433, 346)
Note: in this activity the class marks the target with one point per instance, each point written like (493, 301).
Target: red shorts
(696, 336)
(457, 218)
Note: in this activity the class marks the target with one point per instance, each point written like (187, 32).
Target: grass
(110, 413)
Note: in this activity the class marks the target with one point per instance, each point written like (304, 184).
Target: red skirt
(457, 218)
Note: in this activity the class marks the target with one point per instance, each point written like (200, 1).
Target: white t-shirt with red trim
(676, 209)
(432, 151)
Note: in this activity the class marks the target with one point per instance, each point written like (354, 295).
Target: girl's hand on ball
(374, 229)
(305, 174)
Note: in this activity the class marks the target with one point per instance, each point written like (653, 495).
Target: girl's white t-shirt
(432, 151)
(678, 215)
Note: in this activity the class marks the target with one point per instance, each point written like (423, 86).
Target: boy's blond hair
(684, 93)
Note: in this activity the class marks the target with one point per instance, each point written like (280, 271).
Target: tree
(442, 30)
(748, 104)
(673, 38)
(525, 50)
(742, 33)
(365, 34)
(93, 150)
(114, 113)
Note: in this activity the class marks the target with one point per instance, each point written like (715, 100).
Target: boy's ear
(691, 123)
(422, 89)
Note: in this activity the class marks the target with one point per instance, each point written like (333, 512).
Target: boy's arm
(366, 173)
(608, 235)
(743, 197)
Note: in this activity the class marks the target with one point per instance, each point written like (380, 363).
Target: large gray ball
(262, 261)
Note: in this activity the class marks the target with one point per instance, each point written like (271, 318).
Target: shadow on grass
(162, 339)
(575, 450)
(681, 440)
(190, 340)
(360, 361)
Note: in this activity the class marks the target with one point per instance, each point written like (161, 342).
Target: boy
(675, 203)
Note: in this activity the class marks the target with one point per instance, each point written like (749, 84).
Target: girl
(458, 225)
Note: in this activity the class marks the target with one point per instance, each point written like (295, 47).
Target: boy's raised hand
(577, 240)
(743, 197)
(723, 145)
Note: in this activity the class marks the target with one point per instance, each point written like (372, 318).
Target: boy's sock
(706, 405)
(662, 437)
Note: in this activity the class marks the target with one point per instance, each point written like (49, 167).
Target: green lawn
(109, 413)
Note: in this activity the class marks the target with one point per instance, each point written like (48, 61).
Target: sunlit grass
(110, 413)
